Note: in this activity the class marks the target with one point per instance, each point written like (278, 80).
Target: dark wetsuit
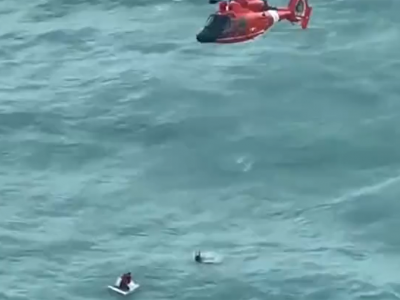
(197, 258)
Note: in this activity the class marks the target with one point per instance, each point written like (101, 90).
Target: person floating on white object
(198, 258)
(124, 285)
(207, 258)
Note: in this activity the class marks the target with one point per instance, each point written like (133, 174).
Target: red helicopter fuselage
(242, 20)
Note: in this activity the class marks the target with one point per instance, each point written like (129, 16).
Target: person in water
(197, 257)
(125, 281)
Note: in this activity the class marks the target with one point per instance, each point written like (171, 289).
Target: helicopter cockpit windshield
(217, 26)
(218, 23)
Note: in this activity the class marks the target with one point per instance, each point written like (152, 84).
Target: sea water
(126, 146)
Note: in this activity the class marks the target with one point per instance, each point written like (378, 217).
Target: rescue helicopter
(242, 20)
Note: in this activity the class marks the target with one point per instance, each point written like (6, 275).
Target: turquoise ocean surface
(125, 145)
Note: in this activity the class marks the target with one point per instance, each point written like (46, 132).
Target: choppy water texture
(126, 145)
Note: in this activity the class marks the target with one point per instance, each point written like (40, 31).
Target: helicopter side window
(299, 7)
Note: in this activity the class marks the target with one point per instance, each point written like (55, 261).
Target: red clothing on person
(125, 281)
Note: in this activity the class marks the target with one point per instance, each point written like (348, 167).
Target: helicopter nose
(205, 37)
